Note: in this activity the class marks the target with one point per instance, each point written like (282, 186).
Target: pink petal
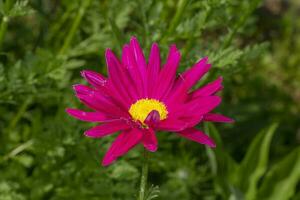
(86, 96)
(199, 106)
(153, 119)
(113, 64)
(122, 144)
(208, 89)
(178, 93)
(103, 105)
(168, 73)
(153, 69)
(138, 55)
(197, 136)
(122, 73)
(195, 73)
(181, 123)
(137, 59)
(150, 140)
(87, 116)
(106, 129)
(130, 64)
(125, 56)
(171, 124)
(185, 81)
(116, 76)
(116, 97)
(102, 85)
(97, 101)
(93, 78)
(82, 89)
(192, 119)
(214, 117)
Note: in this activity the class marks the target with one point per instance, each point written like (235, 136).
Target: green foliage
(281, 180)
(254, 165)
(153, 192)
(45, 44)
(248, 179)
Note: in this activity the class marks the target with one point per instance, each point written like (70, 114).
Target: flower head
(139, 98)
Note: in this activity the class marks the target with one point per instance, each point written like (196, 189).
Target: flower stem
(85, 4)
(181, 5)
(144, 175)
(3, 28)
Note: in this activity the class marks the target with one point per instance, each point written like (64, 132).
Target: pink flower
(139, 98)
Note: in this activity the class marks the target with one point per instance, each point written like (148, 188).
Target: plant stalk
(75, 25)
(3, 28)
(5, 20)
(144, 175)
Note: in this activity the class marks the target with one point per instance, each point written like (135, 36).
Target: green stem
(240, 23)
(20, 113)
(177, 17)
(144, 176)
(3, 28)
(145, 23)
(4, 22)
(58, 26)
(74, 26)
(22, 109)
(116, 32)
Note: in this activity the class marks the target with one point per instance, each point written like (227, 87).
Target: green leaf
(21, 8)
(152, 193)
(221, 163)
(281, 181)
(125, 171)
(225, 57)
(181, 5)
(117, 33)
(255, 163)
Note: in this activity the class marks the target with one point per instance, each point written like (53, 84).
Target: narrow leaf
(255, 163)
(281, 181)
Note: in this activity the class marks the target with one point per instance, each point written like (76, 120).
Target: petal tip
(69, 110)
(218, 100)
(106, 162)
(88, 134)
(82, 73)
(155, 44)
(173, 49)
(108, 53)
(133, 39)
(85, 73)
(125, 47)
(75, 86)
(212, 145)
(151, 148)
(205, 59)
(231, 121)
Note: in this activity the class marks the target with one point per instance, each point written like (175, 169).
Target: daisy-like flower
(139, 98)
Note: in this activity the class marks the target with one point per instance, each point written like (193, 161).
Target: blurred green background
(254, 45)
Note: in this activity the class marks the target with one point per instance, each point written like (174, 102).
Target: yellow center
(141, 109)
